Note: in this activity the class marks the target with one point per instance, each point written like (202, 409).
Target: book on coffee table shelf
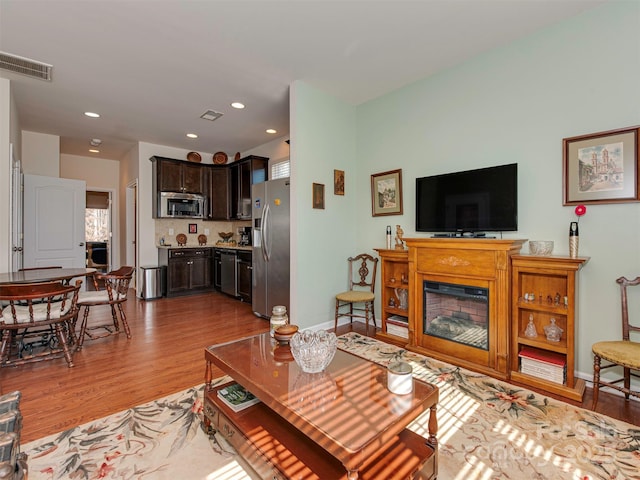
(547, 365)
(236, 397)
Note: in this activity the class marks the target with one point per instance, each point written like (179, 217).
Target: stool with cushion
(114, 294)
(619, 353)
(362, 282)
(43, 312)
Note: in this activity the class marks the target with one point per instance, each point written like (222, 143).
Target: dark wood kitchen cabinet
(217, 181)
(189, 270)
(172, 175)
(244, 173)
(244, 280)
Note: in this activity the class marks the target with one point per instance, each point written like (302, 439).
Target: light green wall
(516, 104)
(323, 139)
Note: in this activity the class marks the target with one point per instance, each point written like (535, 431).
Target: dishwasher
(228, 272)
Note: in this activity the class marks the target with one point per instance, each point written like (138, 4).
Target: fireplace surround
(475, 269)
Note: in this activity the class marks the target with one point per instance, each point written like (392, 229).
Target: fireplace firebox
(458, 313)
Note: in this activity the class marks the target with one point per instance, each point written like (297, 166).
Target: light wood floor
(164, 355)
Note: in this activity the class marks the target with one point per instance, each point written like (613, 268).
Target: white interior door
(54, 212)
(16, 213)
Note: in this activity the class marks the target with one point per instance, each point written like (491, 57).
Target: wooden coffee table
(341, 423)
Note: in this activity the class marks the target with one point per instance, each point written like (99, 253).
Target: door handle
(81, 244)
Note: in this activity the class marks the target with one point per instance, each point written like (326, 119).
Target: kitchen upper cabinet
(244, 173)
(178, 176)
(218, 183)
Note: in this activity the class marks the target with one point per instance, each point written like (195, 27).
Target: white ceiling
(152, 67)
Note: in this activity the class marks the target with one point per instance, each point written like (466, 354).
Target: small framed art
(338, 182)
(318, 195)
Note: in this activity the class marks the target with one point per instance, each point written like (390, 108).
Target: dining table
(39, 275)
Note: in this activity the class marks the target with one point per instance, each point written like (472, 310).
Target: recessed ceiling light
(271, 130)
(237, 105)
(93, 150)
(192, 135)
(92, 115)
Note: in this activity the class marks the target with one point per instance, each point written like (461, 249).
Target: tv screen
(469, 202)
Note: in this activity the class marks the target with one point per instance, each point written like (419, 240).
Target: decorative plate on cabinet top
(194, 157)
(237, 157)
(220, 158)
(181, 238)
(202, 239)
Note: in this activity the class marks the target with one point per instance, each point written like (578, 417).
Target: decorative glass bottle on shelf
(530, 331)
(552, 331)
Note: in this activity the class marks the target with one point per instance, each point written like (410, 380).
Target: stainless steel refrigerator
(270, 216)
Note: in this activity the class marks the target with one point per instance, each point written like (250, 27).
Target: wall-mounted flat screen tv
(468, 202)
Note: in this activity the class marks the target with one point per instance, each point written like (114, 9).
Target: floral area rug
(160, 440)
(489, 429)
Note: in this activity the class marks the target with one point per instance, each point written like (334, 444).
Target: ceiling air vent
(211, 115)
(25, 66)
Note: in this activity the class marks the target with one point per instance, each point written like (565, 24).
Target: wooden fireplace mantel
(478, 262)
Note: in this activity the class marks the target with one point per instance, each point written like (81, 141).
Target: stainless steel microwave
(182, 205)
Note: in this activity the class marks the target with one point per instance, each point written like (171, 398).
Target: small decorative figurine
(399, 240)
(530, 331)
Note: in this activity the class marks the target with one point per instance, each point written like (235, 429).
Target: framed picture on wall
(386, 193)
(193, 228)
(601, 167)
(318, 195)
(338, 182)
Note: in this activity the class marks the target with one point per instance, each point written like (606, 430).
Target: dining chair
(114, 294)
(623, 353)
(37, 322)
(362, 284)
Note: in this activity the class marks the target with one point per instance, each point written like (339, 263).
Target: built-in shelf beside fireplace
(467, 284)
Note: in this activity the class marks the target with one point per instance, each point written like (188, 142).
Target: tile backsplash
(169, 228)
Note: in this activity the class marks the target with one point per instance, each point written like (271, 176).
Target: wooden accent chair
(362, 284)
(42, 311)
(114, 294)
(620, 353)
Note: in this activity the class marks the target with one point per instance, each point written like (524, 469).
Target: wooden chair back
(116, 282)
(42, 303)
(362, 272)
(627, 326)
